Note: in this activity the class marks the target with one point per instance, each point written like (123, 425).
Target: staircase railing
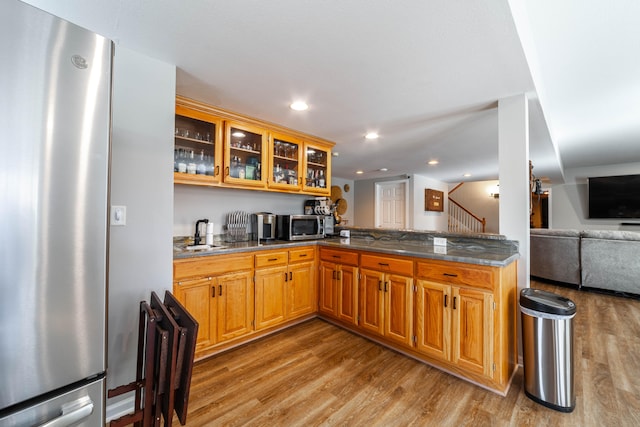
(463, 221)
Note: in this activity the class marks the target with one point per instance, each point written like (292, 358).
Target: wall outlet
(118, 215)
(439, 241)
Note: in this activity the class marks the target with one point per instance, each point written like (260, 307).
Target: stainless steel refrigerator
(55, 97)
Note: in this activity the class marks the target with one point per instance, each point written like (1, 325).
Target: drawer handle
(384, 264)
(290, 275)
(454, 303)
(285, 276)
(303, 255)
(272, 259)
(445, 300)
(213, 291)
(220, 290)
(379, 285)
(336, 256)
(449, 274)
(386, 286)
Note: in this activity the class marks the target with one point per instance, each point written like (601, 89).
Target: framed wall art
(433, 200)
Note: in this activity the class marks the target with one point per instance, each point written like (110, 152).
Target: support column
(513, 153)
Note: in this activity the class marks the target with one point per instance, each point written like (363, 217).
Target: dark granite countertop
(472, 250)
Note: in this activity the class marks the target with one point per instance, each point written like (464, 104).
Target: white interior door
(391, 204)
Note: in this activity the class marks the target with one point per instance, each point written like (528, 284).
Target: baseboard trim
(120, 408)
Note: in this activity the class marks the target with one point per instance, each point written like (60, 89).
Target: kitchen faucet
(196, 237)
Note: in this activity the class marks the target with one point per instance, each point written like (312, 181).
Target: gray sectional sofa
(607, 260)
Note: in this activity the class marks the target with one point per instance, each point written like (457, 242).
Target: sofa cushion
(611, 264)
(611, 235)
(555, 255)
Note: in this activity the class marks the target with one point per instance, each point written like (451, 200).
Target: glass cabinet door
(245, 154)
(285, 167)
(317, 171)
(197, 148)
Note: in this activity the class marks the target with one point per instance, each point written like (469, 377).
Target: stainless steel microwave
(299, 227)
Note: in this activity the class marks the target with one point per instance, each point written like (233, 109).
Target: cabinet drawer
(268, 259)
(342, 257)
(387, 264)
(210, 265)
(457, 273)
(301, 254)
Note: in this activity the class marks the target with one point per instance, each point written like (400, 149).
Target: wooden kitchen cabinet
(458, 309)
(386, 297)
(198, 147)
(196, 295)
(285, 162)
(339, 284)
(302, 292)
(218, 292)
(245, 155)
(235, 302)
(317, 169)
(285, 285)
(238, 151)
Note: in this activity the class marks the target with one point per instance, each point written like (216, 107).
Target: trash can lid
(546, 302)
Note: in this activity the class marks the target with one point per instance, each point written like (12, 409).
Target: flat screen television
(614, 196)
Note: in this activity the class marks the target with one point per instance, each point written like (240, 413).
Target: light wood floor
(316, 374)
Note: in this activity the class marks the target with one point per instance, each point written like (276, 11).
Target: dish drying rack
(237, 223)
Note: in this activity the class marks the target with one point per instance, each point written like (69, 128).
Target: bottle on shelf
(191, 166)
(201, 168)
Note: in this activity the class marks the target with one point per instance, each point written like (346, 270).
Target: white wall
(568, 202)
(192, 203)
(140, 253)
(427, 220)
(347, 217)
(475, 197)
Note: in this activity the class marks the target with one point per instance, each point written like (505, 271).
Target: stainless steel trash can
(547, 341)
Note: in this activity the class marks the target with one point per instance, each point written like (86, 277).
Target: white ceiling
(426, 75)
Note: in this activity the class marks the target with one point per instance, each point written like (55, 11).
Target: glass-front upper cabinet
(245, 154)
(198, 148)
(285, 154)
(317, 169)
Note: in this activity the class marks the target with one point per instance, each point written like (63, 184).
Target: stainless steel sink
(203, 247)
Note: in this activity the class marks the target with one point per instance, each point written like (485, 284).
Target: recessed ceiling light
(433, 162)
(383, 169)
(372, 135)
(467, 175)
(359, 172)
(335, 153)
(299, 106)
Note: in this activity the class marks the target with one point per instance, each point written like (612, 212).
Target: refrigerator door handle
(72, 413)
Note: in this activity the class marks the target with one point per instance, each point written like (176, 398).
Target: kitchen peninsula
(453, 306)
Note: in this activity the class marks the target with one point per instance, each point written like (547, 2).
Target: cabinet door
(473, 330)
(328, 298)
(198, 297)
(270, 296)
(348, 294)
(398, 310)
(301, 292)
(372, 288)
(198, 147)
(245, 155)
(433, 319)
(285, 165)
(317, 169)
(235, 305)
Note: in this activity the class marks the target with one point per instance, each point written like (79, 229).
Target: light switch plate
(118, 215)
